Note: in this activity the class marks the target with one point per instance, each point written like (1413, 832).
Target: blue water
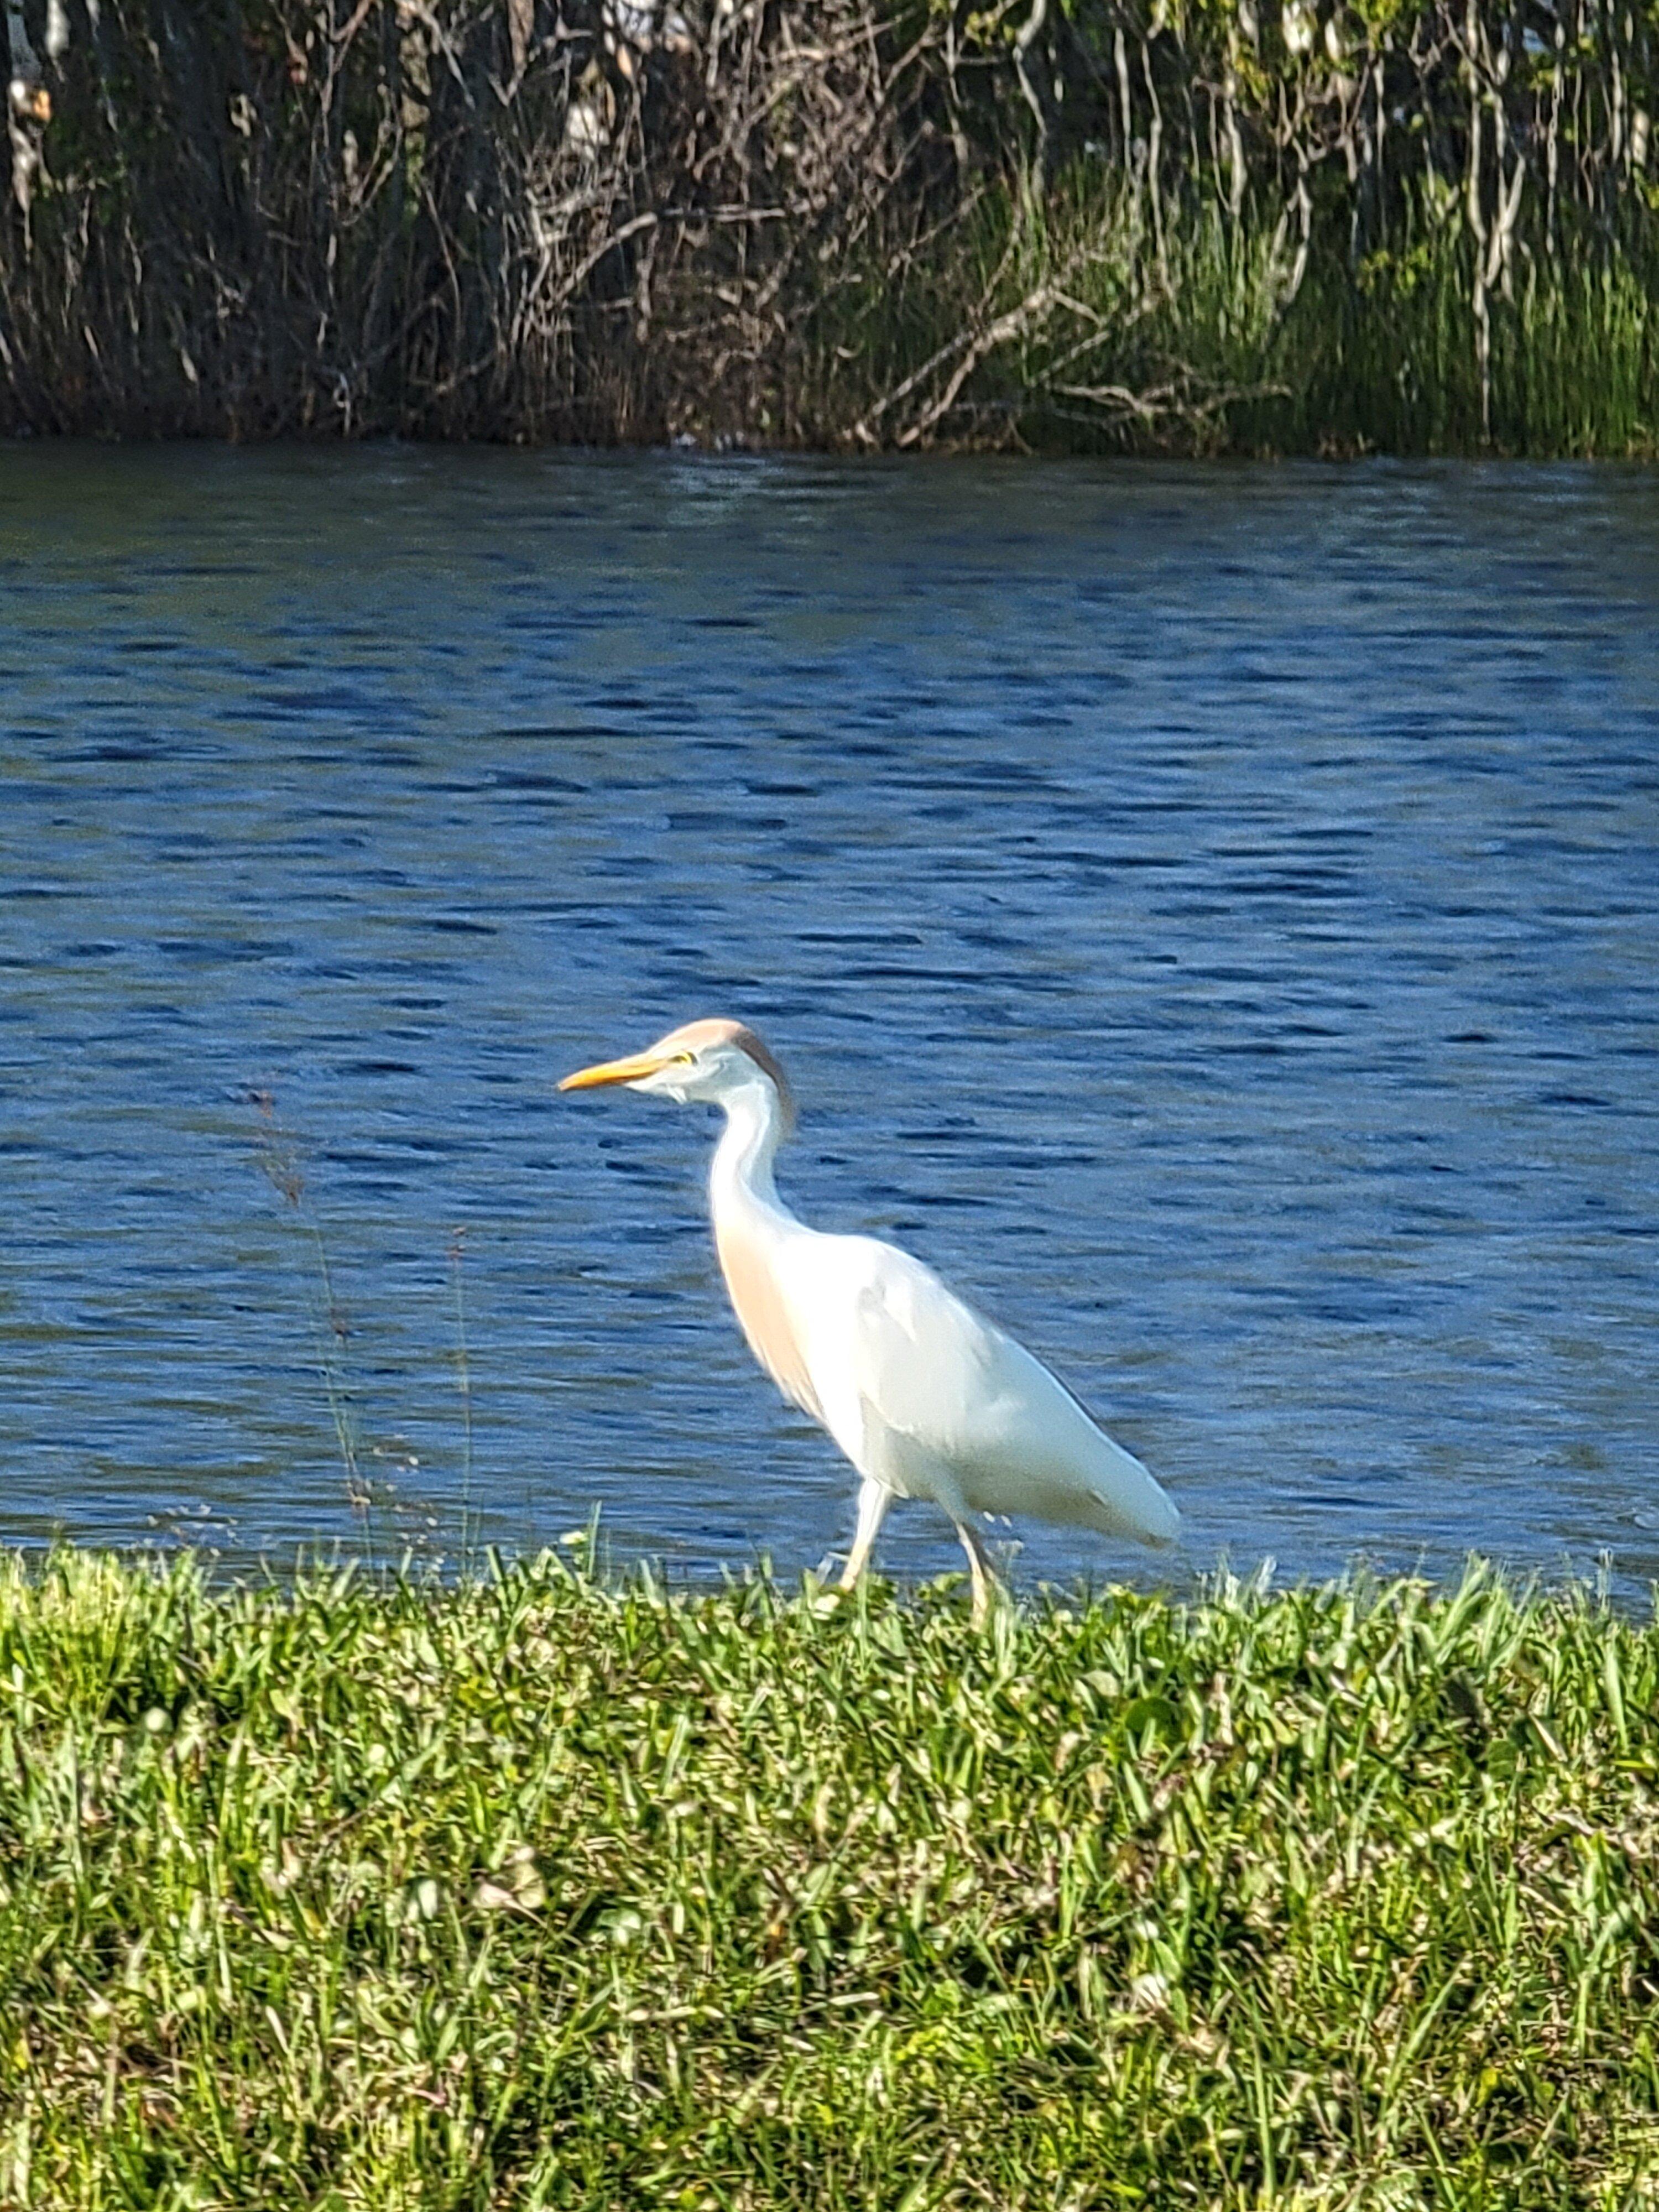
(1210, 914)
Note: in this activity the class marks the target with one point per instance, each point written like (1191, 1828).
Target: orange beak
(616, 1071)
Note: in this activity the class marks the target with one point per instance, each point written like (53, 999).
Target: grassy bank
(1210, 226)
(541, 1893)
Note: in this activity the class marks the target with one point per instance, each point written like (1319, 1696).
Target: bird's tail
(1132, 1502)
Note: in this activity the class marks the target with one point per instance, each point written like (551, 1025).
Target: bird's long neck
(740, 1185)
(753, 1232)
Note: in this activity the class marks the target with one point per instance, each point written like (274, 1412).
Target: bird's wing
(926, 1362)
(936, 1384)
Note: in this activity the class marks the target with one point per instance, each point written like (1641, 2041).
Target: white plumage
(925, 1397)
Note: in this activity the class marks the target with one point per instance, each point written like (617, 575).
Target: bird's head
(709, 1062)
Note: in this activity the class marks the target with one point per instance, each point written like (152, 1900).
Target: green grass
(1179, 335)
(1387, 358)
(545, 1892)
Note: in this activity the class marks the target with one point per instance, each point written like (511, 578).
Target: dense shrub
(1422, 224)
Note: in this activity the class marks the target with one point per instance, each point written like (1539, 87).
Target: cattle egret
(925, 1397)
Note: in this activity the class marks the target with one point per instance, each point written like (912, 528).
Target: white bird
(925, 1397)
(1298, 24)
(588, 119)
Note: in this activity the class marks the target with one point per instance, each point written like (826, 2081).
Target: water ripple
(1209, 913)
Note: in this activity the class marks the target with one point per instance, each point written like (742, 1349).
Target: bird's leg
(874, 1499)
(979, 1567)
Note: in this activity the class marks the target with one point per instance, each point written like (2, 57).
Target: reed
(1203, 225)
(1182, 341)
(545, 1890)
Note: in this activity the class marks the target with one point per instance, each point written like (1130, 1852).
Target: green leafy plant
(543, 1889)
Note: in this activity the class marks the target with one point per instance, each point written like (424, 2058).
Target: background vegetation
(1209, 225)
(537, 1892)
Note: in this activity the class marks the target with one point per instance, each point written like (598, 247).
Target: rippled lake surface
(1210, 914)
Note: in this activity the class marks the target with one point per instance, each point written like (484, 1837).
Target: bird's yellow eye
(684, 1059)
